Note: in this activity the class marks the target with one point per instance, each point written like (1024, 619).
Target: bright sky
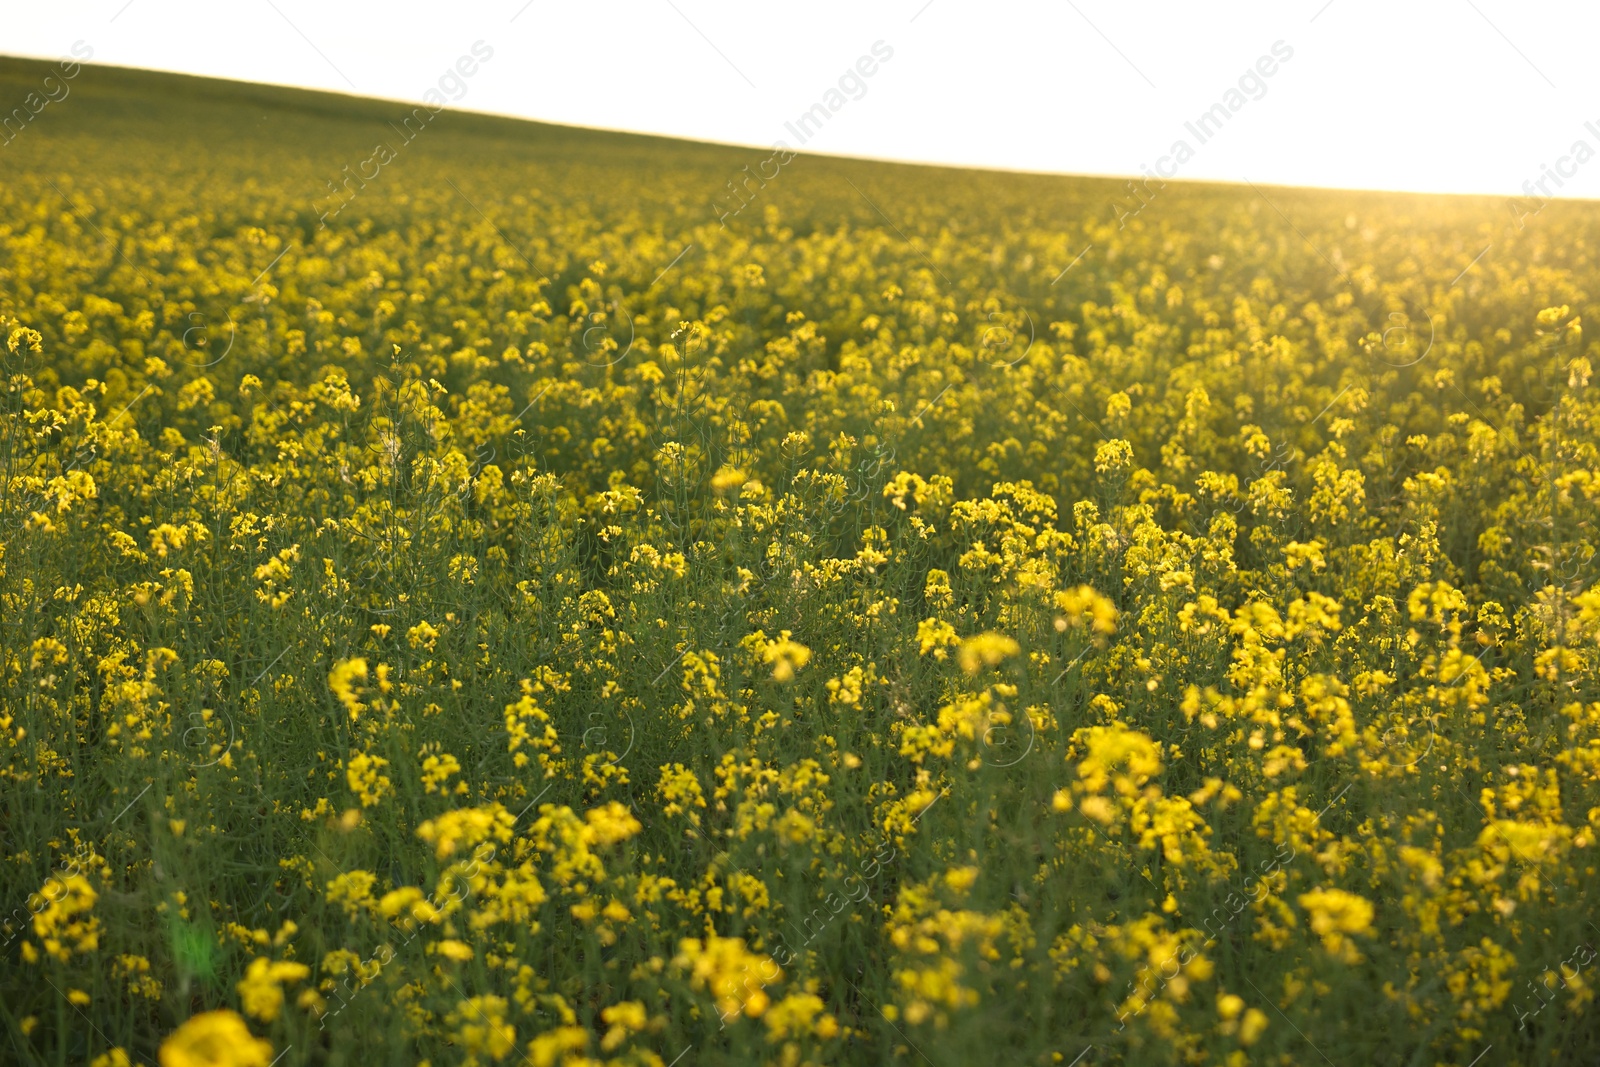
(1427, 95)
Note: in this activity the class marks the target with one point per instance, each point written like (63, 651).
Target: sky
(1484, 96)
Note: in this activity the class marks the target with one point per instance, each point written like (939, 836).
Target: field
(489, 593)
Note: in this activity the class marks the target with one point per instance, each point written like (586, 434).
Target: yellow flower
(353, 890)
(1084, 605)
(480, 1028)
(436, 770)
(1126, 758)
(1335, 913)
(342, 680)
(681, 790)
(961, 879)
(452, 949)
(366, 779)
(610, 823)
(985, 650)
(547, 1049)
(62, 920)
(422, 635)
(1298, 554)
(261, 992)
(727, 478)
(1112, 456)
(846, 691)
(407, 905)
(735, 976)
(215, 1039)
(799, 1015)
(786, 656)
(466, 827)
(1097, 808)
(628, 1017)
(1251, 1026)
(934, 635)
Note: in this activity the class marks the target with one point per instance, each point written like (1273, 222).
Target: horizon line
(989, 168)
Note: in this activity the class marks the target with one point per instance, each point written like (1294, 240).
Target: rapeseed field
(487, 603)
